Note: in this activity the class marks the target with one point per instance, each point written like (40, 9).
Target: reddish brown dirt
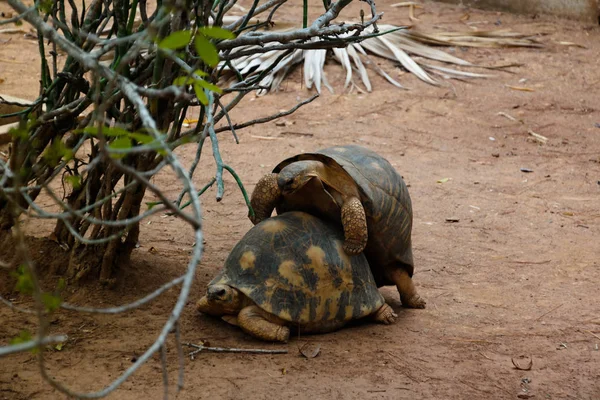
(516, 276)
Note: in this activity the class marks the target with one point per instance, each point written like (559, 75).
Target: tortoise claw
(352, 248)
(415, 301)
(386, 315)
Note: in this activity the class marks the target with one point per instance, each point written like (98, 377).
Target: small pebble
(496, 155)
(527, 170)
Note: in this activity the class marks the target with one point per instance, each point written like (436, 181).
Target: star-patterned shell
(293, 266)
(384, 196)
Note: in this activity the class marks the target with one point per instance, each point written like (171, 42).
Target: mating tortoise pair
(297, 269)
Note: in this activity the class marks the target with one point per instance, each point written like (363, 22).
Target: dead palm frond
(404, 45)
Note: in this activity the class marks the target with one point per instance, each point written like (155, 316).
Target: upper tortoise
(290, 271)
(361, 190)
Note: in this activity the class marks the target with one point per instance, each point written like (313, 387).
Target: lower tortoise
(360, 190)
(291, 272)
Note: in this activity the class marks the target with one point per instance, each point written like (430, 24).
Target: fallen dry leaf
(521, 88)
(572, 44)
(310, 351)
(527, 368)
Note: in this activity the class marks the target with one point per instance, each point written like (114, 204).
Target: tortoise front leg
(206, 307)
(253, 321)
(408, 292)
(385, 315)
(354, 221)
(264, 198)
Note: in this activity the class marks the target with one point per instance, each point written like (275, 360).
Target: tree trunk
(104, 260)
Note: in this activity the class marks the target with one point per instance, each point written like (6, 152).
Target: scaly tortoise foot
(415, 301)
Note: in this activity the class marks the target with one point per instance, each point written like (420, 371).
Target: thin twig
(592, 333)
(200, 348)
(180, 357)
(32, 344)
(546, 313)
(165, 371)
(271, 117)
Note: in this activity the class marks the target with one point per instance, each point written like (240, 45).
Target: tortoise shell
(384, 196)
(293, 266)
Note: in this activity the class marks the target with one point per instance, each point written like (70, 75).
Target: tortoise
(361, 190)
(290, 272)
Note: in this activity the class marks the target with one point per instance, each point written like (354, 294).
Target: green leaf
(56, 152)
(90, 130)
(200, 94)
(19, 133)
(176, 40)
(24, 336)
(24, 280)
(120, 143)
(152, 204)
(216, 32)
(61, 285)
(183, 80)
(209, 86)
(188, 80)
(45, 6)
(114, 131)
(443, 180)
(51, 301)
(59, 347)
(142, 138)
(206, 51)
(74, 181)
(200, 73)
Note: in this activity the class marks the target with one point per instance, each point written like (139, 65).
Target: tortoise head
(297, 174)
(220, 300)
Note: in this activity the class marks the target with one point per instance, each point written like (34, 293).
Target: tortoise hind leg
(408, 292)
(256, 322)
(385, 315)
(354, 221)
(265, 197)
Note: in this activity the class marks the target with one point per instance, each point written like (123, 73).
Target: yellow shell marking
(323, 290)
(346, 267)
(305, 314)
(364, 309)
(288, 270)
(273, 226)
(247, 260)
(349, 312)
(318, 265)
(285, 314)
(333, 306)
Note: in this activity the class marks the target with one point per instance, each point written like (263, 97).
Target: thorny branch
(128, 119)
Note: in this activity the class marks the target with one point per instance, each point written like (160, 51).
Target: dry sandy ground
(516, 277)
